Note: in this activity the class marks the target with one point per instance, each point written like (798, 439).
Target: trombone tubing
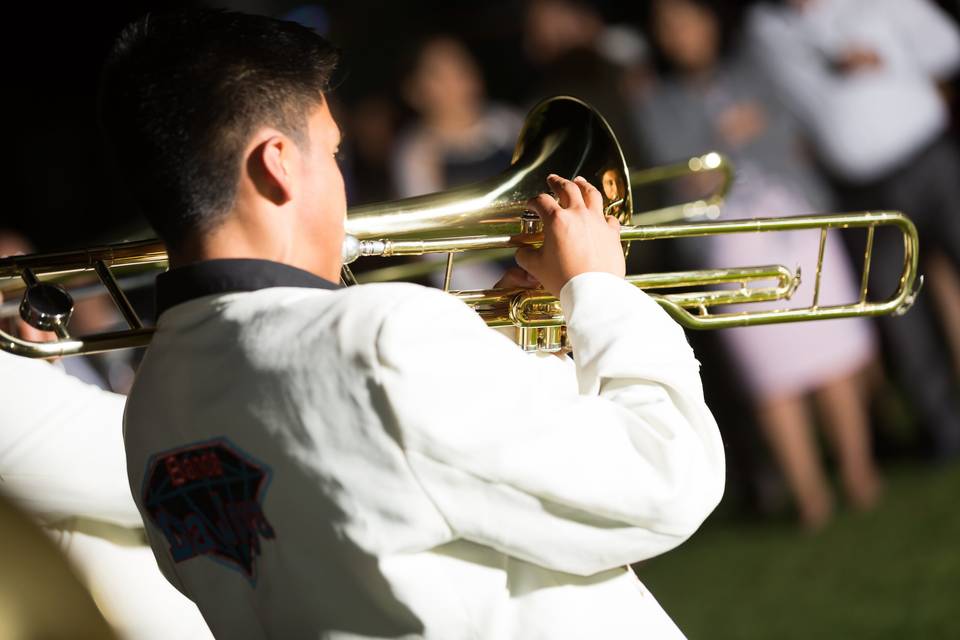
(534, 308)
(654, 232)
(708, 206)
(639, 178)
(65, 262)
(869, 220)
(151, 251)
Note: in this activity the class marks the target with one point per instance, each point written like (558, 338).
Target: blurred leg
(936, 194)
(940, 197)
(944, 285)
(923, 366)
(939, 200)
(847, 424)
(786, 425)
(927, 190)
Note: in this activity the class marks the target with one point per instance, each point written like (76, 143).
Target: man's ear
(268, 167)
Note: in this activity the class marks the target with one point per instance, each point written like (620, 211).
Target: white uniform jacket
(374, 462)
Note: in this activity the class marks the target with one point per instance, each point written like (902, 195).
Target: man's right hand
(857, 58)
(577, 237)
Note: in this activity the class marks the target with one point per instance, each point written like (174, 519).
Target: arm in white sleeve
(930, 33)
(800, 71)
(61, 445)
(517, 460)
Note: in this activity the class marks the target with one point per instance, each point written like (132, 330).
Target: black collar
(229, 275)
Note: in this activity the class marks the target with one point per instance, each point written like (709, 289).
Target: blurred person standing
(862, 76)
(574, 52)
(459, 137)
(370, 123)
(711, 97)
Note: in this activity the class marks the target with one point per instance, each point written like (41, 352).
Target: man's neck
(259, 237)
(203, 253)
(238, 237)
(223, 243)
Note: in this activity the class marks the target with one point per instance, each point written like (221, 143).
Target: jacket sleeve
(799, 71)
(931, 34)
(61, 445)
(622, 465)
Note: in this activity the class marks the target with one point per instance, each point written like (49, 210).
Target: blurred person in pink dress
(712, 97)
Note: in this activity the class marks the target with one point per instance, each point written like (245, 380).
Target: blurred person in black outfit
(370, 124)
(571, 36)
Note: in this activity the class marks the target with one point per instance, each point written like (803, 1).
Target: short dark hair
(182, 93)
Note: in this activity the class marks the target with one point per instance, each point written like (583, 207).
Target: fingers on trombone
(567, 191)
(591, 195)
(543, 205)
(517, 278)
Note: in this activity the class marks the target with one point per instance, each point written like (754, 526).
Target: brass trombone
(561, 135)
(706, 207)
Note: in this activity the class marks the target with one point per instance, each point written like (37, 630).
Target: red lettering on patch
(186, 467)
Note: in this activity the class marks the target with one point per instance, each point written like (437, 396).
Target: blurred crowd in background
(823, 105)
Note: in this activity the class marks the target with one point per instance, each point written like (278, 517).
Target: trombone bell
(561, 135)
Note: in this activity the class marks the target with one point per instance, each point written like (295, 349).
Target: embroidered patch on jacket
(207, 499)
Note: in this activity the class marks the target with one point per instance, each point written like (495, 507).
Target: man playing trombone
(373, 461)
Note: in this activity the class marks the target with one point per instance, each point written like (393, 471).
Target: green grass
(890, 573)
